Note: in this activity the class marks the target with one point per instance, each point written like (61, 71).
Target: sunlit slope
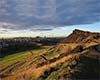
(75, 58)
(19, 62)
(60, 62)
(79, 36)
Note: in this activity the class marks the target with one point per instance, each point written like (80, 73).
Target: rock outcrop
(79, 36)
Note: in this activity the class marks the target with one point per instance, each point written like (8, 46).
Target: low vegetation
(64, 61)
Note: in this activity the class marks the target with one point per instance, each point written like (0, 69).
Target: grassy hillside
(52, 63)
(65, 61)
(80, 67)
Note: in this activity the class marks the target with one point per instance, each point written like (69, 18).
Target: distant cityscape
(10, 45)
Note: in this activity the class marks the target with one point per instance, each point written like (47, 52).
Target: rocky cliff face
(79, 36)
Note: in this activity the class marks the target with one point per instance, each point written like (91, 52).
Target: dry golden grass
(34, 72)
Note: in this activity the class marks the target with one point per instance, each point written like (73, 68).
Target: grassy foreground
(60, 62)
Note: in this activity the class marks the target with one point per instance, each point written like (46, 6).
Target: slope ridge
(79, 36)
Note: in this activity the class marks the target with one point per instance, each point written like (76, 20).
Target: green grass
(13, 58)
(19, 61)
(18, 54)
(51, 55)
(53, 76)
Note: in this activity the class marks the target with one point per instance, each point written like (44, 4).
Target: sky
(52, 18)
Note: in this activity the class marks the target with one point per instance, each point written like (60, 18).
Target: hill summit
(79, 36)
